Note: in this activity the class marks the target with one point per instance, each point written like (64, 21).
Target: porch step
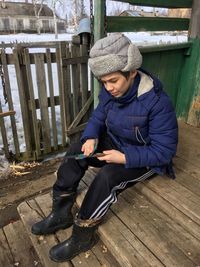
(146, 228)
(32, 211)
(16, 248)
(179, 199)
(155, 223)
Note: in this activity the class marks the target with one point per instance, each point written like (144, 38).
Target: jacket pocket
(139, 136)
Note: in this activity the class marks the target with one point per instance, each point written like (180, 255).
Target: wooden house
(16, 17)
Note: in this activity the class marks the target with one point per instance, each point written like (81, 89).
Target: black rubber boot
(60, 217)
(81, 240)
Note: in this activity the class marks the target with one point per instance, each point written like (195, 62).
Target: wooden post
(24, 99)
(188, 104)
(194, 29)
(99, 22)
(60, 53)
(10, 102)
(194, 33)
(42, 94)
(3, 134)
(99, 19)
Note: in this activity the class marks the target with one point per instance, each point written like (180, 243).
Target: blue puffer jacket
(142, 123)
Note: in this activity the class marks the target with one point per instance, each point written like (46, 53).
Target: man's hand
(113, 156)
(89, 146)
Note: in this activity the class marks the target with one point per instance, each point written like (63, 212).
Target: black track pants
(110, 180)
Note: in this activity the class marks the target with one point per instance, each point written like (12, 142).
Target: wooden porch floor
(155, 223)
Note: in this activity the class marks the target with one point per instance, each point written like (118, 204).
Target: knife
(82, 156)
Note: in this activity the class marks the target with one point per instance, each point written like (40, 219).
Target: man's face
(116, 84)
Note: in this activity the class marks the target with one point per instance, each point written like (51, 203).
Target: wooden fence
(48, 118)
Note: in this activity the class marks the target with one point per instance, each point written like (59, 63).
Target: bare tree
(38, 5)
(75, 13)
(78, 11)
(82, 11)
(53, 4)
(3, 4)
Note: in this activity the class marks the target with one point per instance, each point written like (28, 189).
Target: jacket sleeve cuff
(131, 161)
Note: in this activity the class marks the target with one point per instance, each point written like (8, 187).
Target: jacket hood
(148, 82)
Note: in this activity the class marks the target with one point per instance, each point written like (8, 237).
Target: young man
(135, 127)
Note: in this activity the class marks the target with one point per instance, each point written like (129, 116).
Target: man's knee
(74, 148)
(106, 175)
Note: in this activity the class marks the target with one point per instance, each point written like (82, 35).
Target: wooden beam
(194, 29)
(7, 113)
(99, 27)
(165, 47)
(81, 113)
(132, 24)
(99, 15)
(160, 3)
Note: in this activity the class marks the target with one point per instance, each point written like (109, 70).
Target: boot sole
(53, 229)
(96, 239)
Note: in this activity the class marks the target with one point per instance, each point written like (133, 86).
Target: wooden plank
(21, 248)
(30, 45)
(6, 258)
(160, 3)
(10, 102)
(84, 75)
(99, 20)
(178, 217)
(67, 82)
(185, 143)
(30, 214)
(61, 93)
(75, 60)
(168, 61)
(52, 100)
(56, 100)
(161, 225)
(192, 184)
(185, 152)
(182, 247)
(194, 30)
(185, 46)
(42, 93)
(77, 129)
(75, 80)
(177, 195)
(104, 256)
(4, 134)
(10, 58)
(7, 113)
(32, 103)
(132, 24)
(81, 113)
(124, 245)
(23, 103)
(187, 167)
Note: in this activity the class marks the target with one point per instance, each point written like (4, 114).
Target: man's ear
(133, 73)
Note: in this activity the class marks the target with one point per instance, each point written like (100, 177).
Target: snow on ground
(27, 38)
(141, 39)
(147, 38)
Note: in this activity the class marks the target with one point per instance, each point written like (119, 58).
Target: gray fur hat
(113, 53)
